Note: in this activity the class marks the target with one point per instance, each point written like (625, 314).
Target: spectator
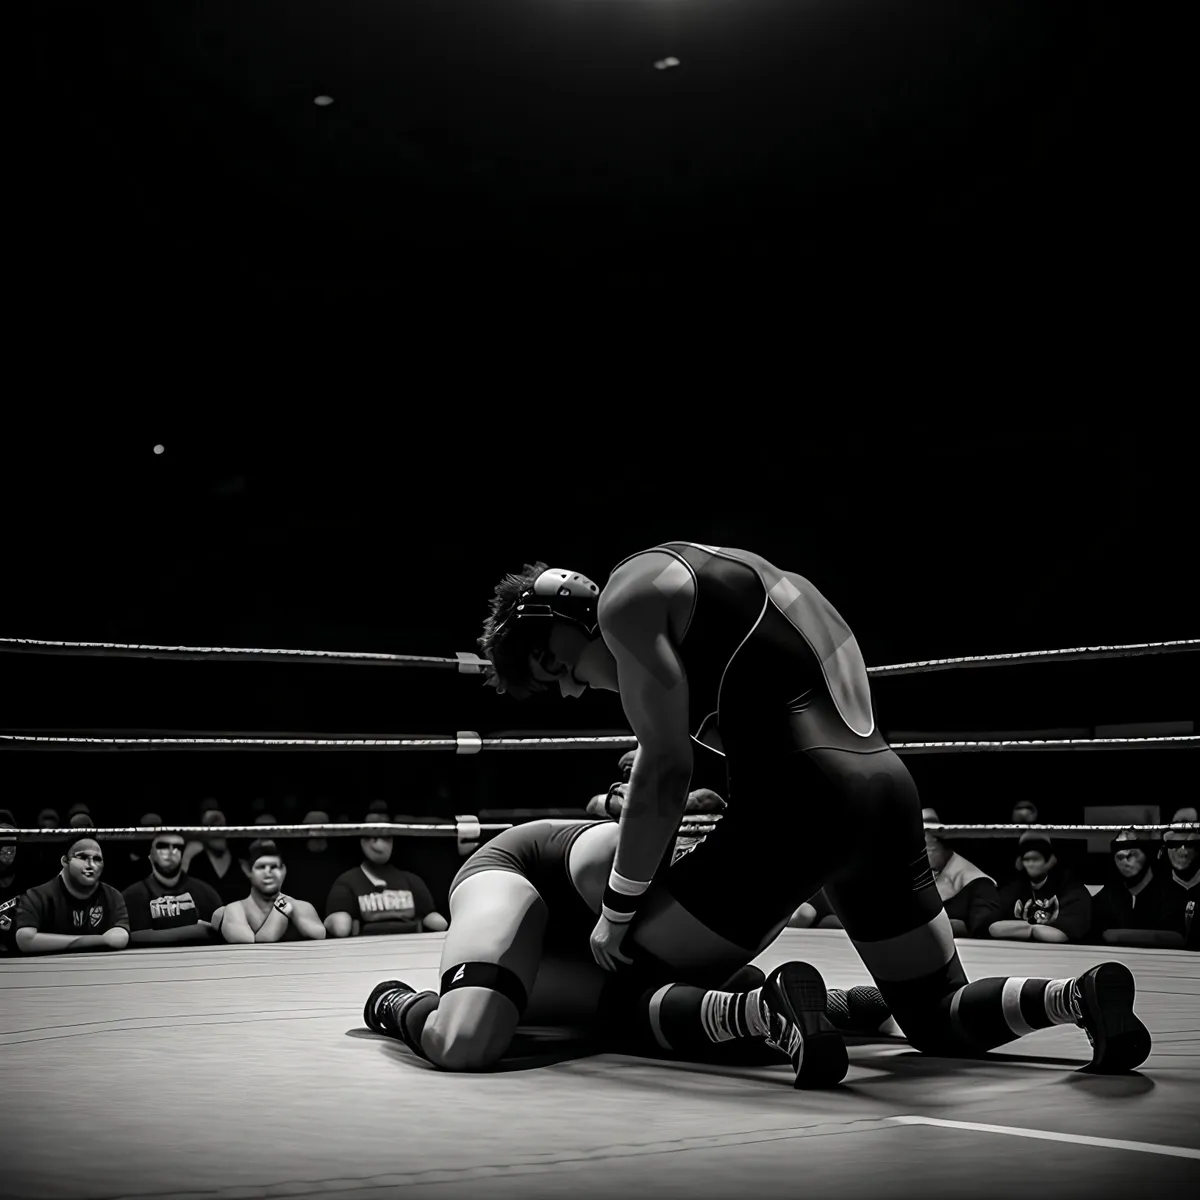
(376, 897)
(79, 809)
(266, 914)
(1045, 903)
(75, 910)
(212, 861)
(129, 866)
(1182, 887)
(1129, 910)
(969, 895)
(81, 820)
(166, 907)
(48, 819)
(1024, 812)
(377, 806)
(10, 886)
(315, 863)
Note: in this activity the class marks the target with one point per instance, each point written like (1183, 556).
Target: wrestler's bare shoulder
(652, 581)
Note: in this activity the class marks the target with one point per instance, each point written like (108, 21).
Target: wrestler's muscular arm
(635, 624)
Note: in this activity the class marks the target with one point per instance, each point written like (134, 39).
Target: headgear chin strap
(561, 596)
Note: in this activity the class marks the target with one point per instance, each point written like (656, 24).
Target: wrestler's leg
(489, 963)
(888, 903)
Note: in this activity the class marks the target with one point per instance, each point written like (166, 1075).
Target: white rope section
(468, 663)
(694, 825)
(471, 743)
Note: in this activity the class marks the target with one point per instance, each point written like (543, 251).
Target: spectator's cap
(262, 848)
(1189, 814)
(78, 808)
(1035, 841)
(1131, 839)
(212, 816)
(626, 763)
(378, 806)
(82, 821)
(76, 842)
(49, 814)
(146, 820)
(315, 817)
(265, 819)
(1026, 804)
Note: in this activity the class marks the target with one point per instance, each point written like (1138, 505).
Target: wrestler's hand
(606, 943)
(283, 905)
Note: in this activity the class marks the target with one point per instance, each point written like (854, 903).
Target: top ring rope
(469, 663)
(469, 742)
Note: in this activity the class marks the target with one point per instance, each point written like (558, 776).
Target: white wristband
(626, 887)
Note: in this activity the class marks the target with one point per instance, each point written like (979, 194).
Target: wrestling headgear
(561, 596)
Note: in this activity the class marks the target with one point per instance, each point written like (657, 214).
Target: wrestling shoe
(795, 1000)
(378, 1015)
(1102, 1004)
(860, 1011)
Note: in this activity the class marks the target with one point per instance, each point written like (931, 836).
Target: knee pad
(487, 975)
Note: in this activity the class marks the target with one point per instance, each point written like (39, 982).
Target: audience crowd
(74, 894)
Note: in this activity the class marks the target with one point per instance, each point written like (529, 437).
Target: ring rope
(468, 742)
(469, 663)
(693, 824)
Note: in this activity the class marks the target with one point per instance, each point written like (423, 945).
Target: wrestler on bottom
(516, 953)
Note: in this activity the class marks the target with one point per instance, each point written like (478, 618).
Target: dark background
(398, 345)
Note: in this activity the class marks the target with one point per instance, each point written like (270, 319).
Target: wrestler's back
(770, 662)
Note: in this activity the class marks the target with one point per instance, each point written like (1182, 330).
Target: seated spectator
(376, 897)
(128, 863)
(212, 861)
(377, 806)
(1045, 903)
(48, 819)
(266, 914)
(1024, 812)
(10, 885)
(1129, 909)
(969, 896)
(81, 820)
(75, 910)
(314, 863)
(167, 907)
(1181, 889)
(77, 810)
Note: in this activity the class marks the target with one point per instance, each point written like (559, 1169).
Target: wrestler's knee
(467, 1041)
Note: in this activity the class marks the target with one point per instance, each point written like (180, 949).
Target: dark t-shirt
(1061, 901)
(976, 905)
(152, 905)
(231, 886)
(50, 908)
(399, 904)
(10, 894)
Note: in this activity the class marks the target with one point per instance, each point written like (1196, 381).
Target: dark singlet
(770, 664)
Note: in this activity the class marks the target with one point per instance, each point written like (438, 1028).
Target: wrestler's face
(1035, 863)
(1182, 854)
(377, 850)
(1130, 862)
(267, 874)
(554, 666)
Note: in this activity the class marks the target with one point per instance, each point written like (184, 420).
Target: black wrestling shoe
(1102, 1003)
(795, 999)
(860, 1011)
(744, 979)
(377, 1010)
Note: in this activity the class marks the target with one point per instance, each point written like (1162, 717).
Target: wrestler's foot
(1102, 1002)
(378, 1014)
(795, 999)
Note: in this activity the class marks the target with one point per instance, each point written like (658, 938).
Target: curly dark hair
(507, 644)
